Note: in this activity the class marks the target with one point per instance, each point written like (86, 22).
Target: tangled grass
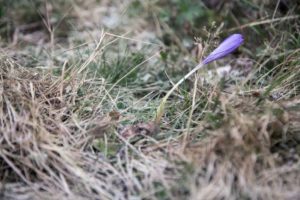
(46, 152)
(243, 161)
(64, 105)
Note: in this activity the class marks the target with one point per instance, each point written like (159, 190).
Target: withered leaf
(143, 128)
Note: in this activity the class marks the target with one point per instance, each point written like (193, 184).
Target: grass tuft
(80, 82)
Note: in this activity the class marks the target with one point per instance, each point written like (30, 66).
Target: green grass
(71, 90)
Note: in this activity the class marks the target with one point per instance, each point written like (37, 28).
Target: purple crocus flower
(225, 48)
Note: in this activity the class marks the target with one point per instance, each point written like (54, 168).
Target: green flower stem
(161, 107)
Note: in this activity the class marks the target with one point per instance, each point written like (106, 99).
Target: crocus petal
(225, 48)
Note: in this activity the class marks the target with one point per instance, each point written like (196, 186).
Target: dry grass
(251, 157)
(62, 110)
(46, 152)
(46, 148)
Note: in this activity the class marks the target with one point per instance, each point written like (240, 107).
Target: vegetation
(81, 81)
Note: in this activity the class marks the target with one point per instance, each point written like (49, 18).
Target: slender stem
(161, 107)
(187, 133)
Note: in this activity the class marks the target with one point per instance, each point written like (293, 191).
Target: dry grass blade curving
(38, 145)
